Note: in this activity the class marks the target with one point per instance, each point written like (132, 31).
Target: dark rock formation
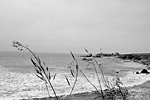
(144, 71)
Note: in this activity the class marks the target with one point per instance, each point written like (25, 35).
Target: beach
(26, 85)
(74, 50)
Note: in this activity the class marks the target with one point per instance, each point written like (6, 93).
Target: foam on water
(132, 79)
(25, 85)
(14, 85)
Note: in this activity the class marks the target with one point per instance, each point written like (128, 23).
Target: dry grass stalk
(41, 72)
(44, 74)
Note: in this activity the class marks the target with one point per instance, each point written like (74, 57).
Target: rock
(117, 72)
(86, 59)
(144, 71)
(137, 73)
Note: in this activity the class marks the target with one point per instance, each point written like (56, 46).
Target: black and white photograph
(74, 49)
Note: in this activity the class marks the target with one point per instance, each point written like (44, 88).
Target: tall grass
(43, 73)
(112, 90)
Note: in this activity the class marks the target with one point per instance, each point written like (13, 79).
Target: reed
(43, 73)
(112, 90)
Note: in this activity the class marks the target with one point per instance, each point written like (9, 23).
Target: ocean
(18, 79)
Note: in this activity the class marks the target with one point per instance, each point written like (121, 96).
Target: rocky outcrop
(144, 71)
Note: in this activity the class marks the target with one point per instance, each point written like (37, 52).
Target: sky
(58, 26)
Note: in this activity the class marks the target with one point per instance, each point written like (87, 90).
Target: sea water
(18, 79)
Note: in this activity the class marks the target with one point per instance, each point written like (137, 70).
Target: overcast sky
(64, 25)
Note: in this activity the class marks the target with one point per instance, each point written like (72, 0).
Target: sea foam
(17, 85)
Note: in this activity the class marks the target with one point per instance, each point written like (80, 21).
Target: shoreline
(132, 89)
(87, 95)
(136, 92)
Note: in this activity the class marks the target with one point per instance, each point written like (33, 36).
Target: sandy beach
(138, 85)
(28, 86)
(48, 49)
(62, 48)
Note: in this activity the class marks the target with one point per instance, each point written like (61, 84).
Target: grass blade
(47, 68)
(86, 50)
(72, 55)
(40, 77)
(72, 72)
(54, 76)
(67, 81)
(37, 71)
(49, 76)
(77, 67)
